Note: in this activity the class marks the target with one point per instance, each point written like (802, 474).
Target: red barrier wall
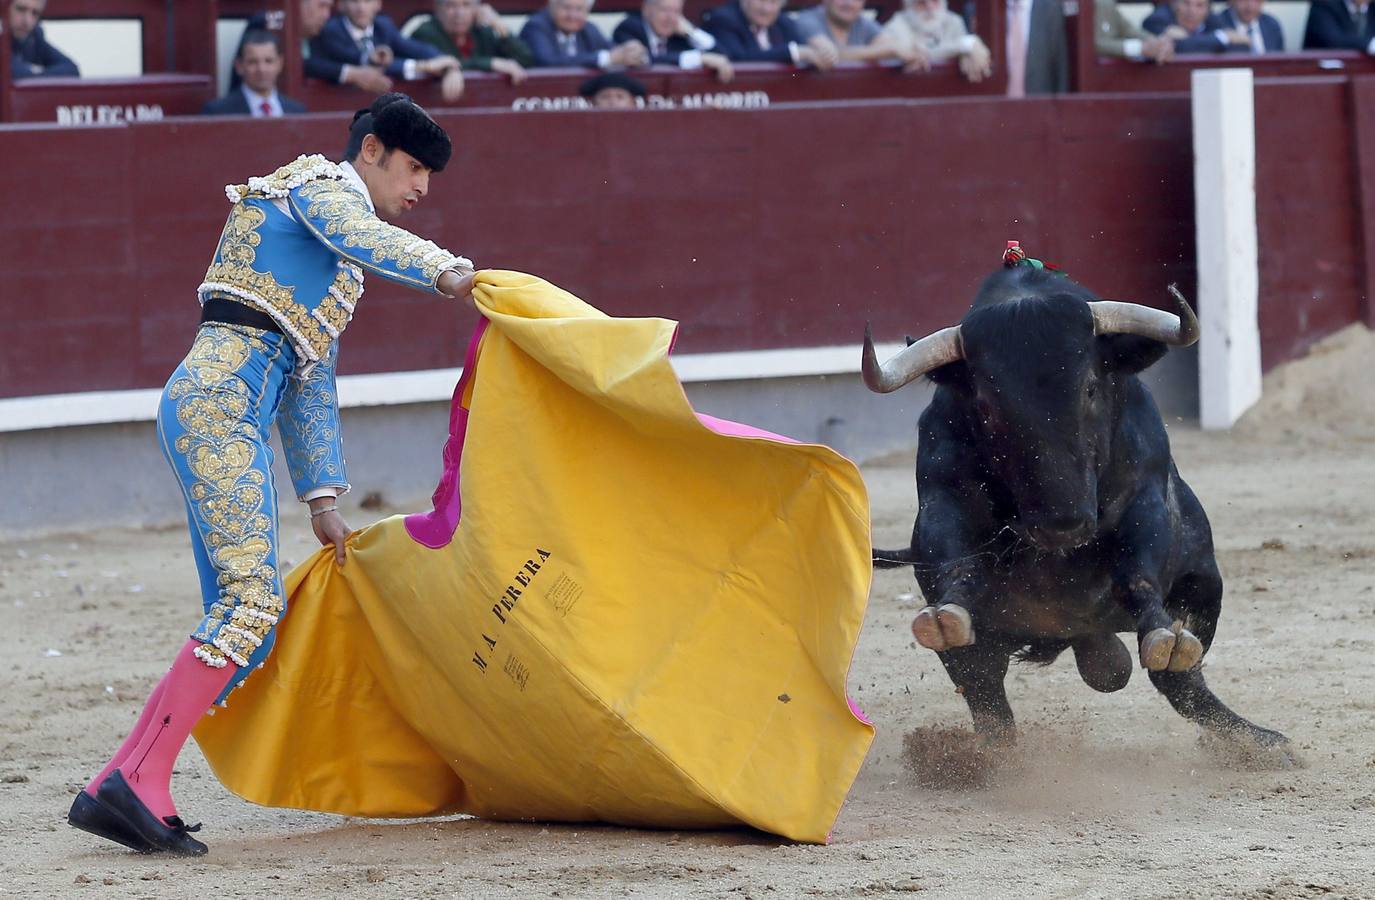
(782, 227)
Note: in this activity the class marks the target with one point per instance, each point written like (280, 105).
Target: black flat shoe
(89, 814)
(169, 833)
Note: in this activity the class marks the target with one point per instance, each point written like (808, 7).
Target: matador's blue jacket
(295, 246)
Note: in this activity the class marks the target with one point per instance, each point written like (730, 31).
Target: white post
(1225, 225)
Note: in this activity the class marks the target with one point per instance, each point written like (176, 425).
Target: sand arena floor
(1110, 796)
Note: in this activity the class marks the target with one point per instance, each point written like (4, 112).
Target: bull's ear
(1130, 353)
(954, 375)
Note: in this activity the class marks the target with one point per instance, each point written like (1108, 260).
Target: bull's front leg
(951, 570)
(1143, 548)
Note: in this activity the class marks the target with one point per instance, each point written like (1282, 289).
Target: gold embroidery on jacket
(351, 225)
(220, 448)
(234, 278)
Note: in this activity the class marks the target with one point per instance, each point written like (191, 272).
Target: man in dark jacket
(671, 39)
(30, 53)
(475, 35)
(561, 35)
(314, 15)
(756, 31)
(1332, 25)
(1186, 23)
(258, 65)
(1248, 29)
(361, 36)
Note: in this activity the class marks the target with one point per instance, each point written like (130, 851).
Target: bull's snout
(1061, 533)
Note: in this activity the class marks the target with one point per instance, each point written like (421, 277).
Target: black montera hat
(401, 124)
(592, 86)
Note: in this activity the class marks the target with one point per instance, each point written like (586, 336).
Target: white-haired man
(927, 32)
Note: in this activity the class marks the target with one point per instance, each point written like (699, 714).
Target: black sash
(230, 312)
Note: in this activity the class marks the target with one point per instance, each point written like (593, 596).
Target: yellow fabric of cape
(638, 619)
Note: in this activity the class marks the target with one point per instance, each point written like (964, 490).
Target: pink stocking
(132, 740)
(187, 692)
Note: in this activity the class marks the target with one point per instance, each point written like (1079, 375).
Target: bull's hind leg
(1197, 600)
(978, 674)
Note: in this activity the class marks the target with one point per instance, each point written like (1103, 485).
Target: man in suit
(1114, 35)
(1247, 29)
(314, 15)
(1339, 25)
(561, 35)
(756, 31)
(30, 53)
(1037, 52)
(1187, 24)
(258, 65)
(671, 39)
(361, 36)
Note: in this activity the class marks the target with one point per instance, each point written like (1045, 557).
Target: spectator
(926, 32)
(1338, 25)
(314, 15)
(1247, 29)
(755, 31)
(560, 35)
(30, 53)
(1185, 22)
(1037, 52)
(258, 65)
(475, 35)
(1113, 35)
(613, 90)
(843, 23)
(671, 39)
(361, 36)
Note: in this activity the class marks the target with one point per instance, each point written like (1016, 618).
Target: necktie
(266, 108)
(368, 47)
(1016, 51)
(570, 43)
(1257, 45)
(1360, 19)
(762, 36)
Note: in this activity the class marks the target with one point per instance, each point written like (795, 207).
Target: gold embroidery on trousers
(220, 448)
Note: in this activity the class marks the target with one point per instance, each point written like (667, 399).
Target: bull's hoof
(1104, 662)
(1170, 649)
(944, 627)
(1252, 748)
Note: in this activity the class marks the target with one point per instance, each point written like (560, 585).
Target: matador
(283, 284)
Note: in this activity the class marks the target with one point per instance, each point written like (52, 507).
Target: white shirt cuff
(1131, 48)
(690, 60)
(603, 59)
(410, 69)
(702, 40)
(968, 43)
(1370, 47)
(319, 492)
(792, 51)
(344, 70)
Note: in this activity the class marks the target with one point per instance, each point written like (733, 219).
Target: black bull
(1050, 512)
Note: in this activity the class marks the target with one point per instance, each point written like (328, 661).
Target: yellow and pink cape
(618, 610)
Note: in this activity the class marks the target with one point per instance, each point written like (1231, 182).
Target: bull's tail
(892, 559)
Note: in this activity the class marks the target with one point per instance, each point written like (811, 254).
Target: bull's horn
(1117, 317)
(920, 357)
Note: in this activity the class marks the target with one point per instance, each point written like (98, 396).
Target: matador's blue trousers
(213, 421)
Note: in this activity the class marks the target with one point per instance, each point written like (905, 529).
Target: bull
(1051, 515)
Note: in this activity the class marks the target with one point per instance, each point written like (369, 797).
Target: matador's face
(396, 181)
